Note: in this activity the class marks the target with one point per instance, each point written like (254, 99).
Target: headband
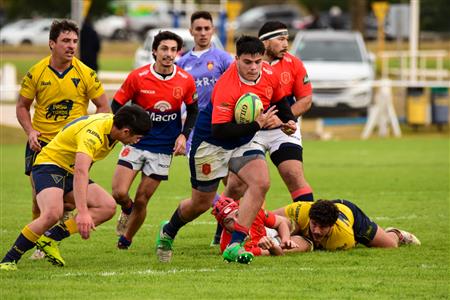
(273, 34)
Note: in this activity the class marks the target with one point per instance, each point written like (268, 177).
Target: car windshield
(329, 50)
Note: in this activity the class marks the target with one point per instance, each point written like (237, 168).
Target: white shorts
(155, 165)
(209, 162)
(274, 139)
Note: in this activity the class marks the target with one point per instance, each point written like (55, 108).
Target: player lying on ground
(340, 225)
(61, 174)
(269, 234)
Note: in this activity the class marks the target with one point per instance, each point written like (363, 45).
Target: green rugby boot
(237, 253)
(8, 266)
(50, 248)
(164, 248)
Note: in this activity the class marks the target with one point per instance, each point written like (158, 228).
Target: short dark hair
(201, 15)
(271, 26)
(249, 45)
(167, 35)
(133, 117)
(324, 212)
(59, 26)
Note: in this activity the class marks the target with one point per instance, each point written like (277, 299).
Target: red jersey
(293, 77)
(230, 87)
(162, 98)
(263, 219)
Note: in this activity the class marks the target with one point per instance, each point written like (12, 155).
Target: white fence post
(8, 82)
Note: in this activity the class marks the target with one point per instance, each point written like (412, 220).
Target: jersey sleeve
(292, 211)
(88, 141)
(126, 91)
(94, 86)
(226, 60)
(302, 86)
(223, 105)
(191, 95)
(269, 219)
(28, 86)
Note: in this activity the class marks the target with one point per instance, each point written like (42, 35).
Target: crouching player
(61, 174)
(340, 225)
(269, 234)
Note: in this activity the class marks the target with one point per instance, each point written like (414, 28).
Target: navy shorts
(364, 228)
(30, 157)
(48, 176)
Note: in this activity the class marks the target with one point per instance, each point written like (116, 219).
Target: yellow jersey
(59, 97)
(87, 134)
(341, 235)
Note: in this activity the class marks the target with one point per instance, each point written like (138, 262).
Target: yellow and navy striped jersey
(87, 134)
(59, 97)
(341, 235)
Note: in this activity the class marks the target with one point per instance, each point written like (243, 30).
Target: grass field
(397, 182)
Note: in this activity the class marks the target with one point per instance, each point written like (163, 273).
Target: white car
(338, 65)
(32, 32)
(112, 27)
(144, 56)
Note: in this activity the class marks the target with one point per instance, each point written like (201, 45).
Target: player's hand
(289, 128)
(33, 140)
(264, 117)
(180, 146)
(289, 244)
(84, 224)
(265, 243)
(274, 122)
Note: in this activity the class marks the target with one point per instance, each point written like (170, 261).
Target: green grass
(397, 182)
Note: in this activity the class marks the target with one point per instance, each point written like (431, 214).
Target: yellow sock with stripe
(62, 230)
(25, 241)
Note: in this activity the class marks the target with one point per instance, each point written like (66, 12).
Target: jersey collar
(152, 70)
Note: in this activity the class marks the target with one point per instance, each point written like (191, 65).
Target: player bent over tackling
(270, 234)
(340, 225)
(61, 174)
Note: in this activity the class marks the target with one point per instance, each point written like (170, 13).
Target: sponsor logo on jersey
(143, 73)
(76, 81)
(267, 71)
(162, 105)
(182, 74)
(163, 118)
(60, 109)
(206, 169)
(29, 75)
(46, 83)
(148, 92)
(178, 92)
(285, 77)
(94, 133)
(210, 65)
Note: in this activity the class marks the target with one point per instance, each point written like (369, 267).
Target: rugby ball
(247, 108)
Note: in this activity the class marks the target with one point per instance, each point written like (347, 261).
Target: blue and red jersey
(162, 98)
(229, 88)
(206, 70)
(293, 77)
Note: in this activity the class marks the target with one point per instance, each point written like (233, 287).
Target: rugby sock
(123, 242)
(175, 223)
(26, 240)
(303, 194)
(62, 230)
(127, 209)
(239, 234)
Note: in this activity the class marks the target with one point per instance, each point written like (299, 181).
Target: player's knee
(50, 218)
(119, 195)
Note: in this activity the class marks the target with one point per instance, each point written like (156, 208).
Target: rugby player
(160, 88)
(61, 86)
(206, 64)
(286, 151)
(270, 234)
(341, 225)
(220, 143)
(61, 174)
